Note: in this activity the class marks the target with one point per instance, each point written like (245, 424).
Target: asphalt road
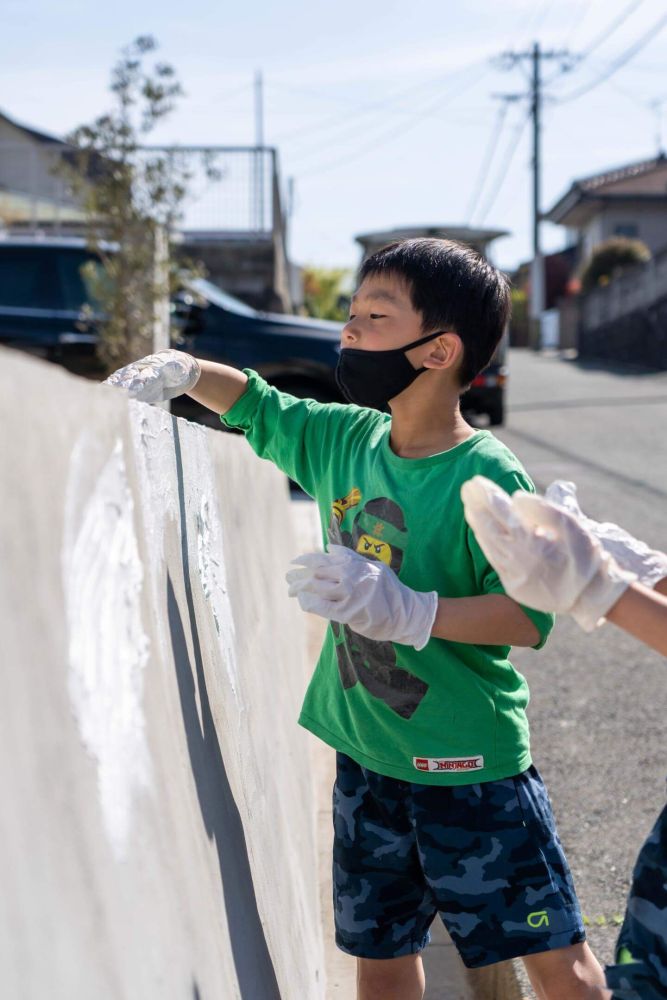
(598, 702)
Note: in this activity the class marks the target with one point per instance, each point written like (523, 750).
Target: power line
(535, 56)
(599, 39)
(577, 23)
(487, 159)
(537, 20)
(512, 146)
(611, 28)
(618, 63)
(344, 120)
(389, 134)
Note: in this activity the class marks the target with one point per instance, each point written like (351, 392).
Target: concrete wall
(157, 820)
(635, 338)
(634, 289)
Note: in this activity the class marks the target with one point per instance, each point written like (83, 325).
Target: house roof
(464, 234)
(638, 182)
(32, 132)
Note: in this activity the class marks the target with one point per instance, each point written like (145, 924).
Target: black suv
(43, 292)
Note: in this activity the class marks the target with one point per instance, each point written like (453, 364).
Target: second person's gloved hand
(157, 376)
(629, 552)
(544, 557)
(345, 587)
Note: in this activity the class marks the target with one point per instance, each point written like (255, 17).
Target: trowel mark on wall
(108, 648)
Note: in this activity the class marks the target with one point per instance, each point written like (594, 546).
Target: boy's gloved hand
(158, 376)
(630, 553)
(345, 587)
(544, 557)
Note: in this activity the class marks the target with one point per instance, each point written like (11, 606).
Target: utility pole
(259, 151)
(537, 282)
(259, 109)
(508, 61)
(656, 107)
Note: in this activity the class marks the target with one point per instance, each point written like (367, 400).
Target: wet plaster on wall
(107, 644)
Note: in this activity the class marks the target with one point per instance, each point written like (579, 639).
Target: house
(479, 239)
(625, 201)
(34, 193)
(234, 223)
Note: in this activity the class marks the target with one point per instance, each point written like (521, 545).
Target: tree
(609, 258)
(129, 194)
(325, 295)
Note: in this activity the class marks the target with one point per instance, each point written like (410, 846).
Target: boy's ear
(445, 352)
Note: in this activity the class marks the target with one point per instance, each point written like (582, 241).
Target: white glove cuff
(428, 603)
(602, 592)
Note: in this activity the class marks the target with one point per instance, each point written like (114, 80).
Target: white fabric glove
(630, 553)
(544, 557)
(158, 376)
(346, 587)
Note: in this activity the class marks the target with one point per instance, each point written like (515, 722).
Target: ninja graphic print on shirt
(378, 533)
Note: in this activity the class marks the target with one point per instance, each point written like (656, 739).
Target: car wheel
(497, 413)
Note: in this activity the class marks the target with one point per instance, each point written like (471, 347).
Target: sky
(386, 114)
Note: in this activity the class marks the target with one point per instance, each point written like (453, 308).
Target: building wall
(244, 266)
(157, 820)
(650, 222)
(31, 188)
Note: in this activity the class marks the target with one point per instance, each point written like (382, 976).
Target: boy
(548, 552)
(437, 808)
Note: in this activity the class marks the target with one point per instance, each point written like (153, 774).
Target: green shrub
(608, 259)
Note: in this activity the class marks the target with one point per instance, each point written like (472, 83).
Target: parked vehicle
(43, 294)
(486, 395)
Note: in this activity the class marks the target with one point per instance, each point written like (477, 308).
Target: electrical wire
(487, 160)
(611, 28)
(576, 24)
(597, 41)
(389, 134)
(332, 121)
(228, 95)
(351, 130)
(618, 63)
(501, 177)
(538, 19)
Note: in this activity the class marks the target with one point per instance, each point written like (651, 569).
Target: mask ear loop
(422, 340)
(418, 343)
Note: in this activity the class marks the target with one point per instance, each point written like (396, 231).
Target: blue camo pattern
(485, 856)
(644, 930)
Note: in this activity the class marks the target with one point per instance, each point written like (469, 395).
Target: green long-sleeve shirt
(452, 713)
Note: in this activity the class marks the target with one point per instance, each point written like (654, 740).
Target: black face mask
(372, 378)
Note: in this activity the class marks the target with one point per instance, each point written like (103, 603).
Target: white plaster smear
(155, 465)
(201, 488)
(155, 451)
(108, 648)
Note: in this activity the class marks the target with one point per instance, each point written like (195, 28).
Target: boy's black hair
(454, 288)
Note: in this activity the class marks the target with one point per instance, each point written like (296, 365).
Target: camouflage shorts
(641, 952)
(486, 857)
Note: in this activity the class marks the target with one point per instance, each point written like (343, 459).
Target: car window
(27, 279)
(77, 288)
(207, 290)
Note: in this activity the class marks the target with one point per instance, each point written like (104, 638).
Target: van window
(75, 290)
(27, 280)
